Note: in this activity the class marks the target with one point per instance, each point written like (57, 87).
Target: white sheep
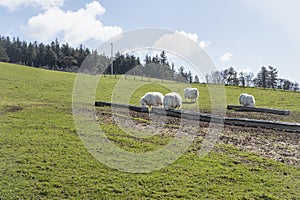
(152, 99)
(247, 100)
(172, 100)
(191, 93)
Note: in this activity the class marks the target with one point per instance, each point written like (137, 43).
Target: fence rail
(141, 78)
(278, 125)
(255, 109)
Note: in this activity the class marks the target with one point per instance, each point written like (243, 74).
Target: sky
(244, 34)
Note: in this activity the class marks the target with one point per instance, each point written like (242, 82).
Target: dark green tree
(155, 59)
(296, 86)
(230, 76)
(66, 50)
(3, 55)
(286, 85)
(190, 77)
(273, 74)
(41, 55)
(148, 59)
(262, 78)
(14, 51)
(196, 79)
(31, 54)
(163, 58)
(51, 58)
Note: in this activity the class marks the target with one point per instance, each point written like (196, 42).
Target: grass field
(42, 156)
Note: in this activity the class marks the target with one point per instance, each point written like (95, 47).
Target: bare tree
(249, 78)
(245, 78)
(214, 77)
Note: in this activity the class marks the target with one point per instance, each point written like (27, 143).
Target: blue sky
(244, 34)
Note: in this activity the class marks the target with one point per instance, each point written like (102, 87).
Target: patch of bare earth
(278, 145)
(275, 144)
(10, 109)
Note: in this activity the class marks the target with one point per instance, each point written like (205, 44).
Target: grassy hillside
(41, 155)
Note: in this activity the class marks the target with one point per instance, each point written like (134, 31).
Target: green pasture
(42, 156)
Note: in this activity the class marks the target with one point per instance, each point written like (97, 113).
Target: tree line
(53, 56)
(63, 57)
(267, 77)
(157, 66)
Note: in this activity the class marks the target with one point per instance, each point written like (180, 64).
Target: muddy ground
(275, 144)
(292, 117)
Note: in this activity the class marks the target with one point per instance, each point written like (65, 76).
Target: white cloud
(204, 43)
(75, 27)
(44, 4)
(194, 36)
(226, 57)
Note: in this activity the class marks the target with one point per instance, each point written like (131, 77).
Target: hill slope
(41, 155)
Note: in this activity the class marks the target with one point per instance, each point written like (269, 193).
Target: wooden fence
(140, 78)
